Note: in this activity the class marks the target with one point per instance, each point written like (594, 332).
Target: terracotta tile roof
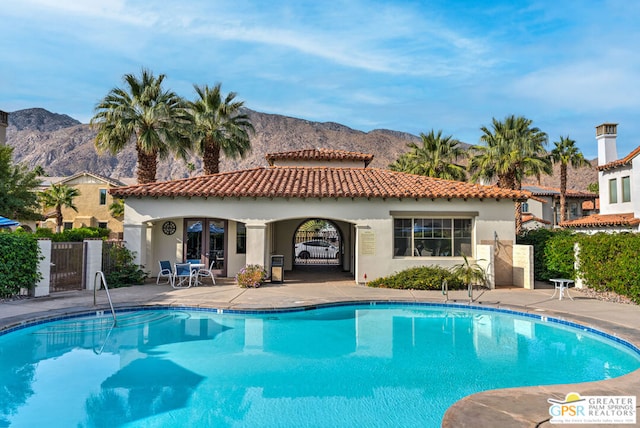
(319, 182)
(603, 220)
(552, 191)
(531, 217)
(319, 154)
(624, 161)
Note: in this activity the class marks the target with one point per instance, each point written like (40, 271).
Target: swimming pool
(357, 365)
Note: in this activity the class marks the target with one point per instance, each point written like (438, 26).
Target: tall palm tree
(219, 125)
(58, 196)
(116, 209)
(512, 151)
(146, 114)
(566, 153)
(435, 157)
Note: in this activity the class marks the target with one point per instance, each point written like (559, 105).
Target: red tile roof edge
(603, 220)
(319, 154)
(319, 182)
(616, 163)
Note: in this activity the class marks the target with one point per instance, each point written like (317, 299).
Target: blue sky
(409, 66)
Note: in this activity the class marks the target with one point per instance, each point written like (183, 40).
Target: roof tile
(319, 154)
(603, 220)
(319, 182)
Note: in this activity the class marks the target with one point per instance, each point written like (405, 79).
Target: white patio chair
(165, 271)
(183, 274)
(204, 272)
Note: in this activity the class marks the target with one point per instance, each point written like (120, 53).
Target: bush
(73, 235)
(552, 252)
(609, 262)
(19, 257)
(251, 276)
(124, 272)
(419, 278)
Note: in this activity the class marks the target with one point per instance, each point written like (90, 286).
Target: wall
(492, 218)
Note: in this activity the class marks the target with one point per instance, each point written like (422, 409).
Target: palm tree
(566, 153)
(513, 150)
(116, 209)
(435, 157)
(147, 114)
(219, 125)
(59, 196)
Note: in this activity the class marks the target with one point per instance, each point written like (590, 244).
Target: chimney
(4, 122)
(606, 137)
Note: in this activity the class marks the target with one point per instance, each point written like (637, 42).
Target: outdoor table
(561, 284)
(195, 267)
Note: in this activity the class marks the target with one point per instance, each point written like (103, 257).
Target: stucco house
(542, 209)
(92, 204)
(387, 221)
(618, 181)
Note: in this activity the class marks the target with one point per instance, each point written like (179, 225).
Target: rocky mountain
(63, 146)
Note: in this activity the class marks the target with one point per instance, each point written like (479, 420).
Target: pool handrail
(95, 289)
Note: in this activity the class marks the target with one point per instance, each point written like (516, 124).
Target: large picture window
(432, 237)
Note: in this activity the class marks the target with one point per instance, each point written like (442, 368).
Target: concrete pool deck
(516, 407)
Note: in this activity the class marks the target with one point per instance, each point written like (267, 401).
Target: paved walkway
(519, 407)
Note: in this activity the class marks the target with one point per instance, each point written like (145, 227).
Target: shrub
(19, 257)
(251, 276)
(552, 252)
(419, 278)
(124, 272)
(73, 235)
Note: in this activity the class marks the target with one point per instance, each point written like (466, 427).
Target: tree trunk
(518, 212)
(147, 164)
(563, 192)
(211, 157)
(59, 219)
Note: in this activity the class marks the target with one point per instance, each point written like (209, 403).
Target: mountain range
(63, 146)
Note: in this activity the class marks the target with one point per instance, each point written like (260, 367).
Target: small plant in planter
(470, 273)
(251, 276)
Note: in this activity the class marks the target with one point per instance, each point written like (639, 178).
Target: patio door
(206, 246)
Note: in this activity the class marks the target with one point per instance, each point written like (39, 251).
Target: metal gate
(67, 266)
(317, 247)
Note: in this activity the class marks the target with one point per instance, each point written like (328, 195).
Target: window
(241, 238)
(613, 191)
(525, 207)
(67, 225)
(626, 189)
(432, 237)
(102, 224)
(573, 210)
(103, 196)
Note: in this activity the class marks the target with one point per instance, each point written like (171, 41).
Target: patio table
(561, 284)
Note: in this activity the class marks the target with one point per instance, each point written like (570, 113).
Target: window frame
(431, 241)
(241, 238)
(625, 183)
(613, 190)
(103, 197)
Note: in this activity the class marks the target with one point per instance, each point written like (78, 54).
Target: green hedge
(73, 235)
(419, 278)
(608, 262)
(19, 257)
(611, 262)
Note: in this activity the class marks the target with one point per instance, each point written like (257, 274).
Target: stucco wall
(492, 218)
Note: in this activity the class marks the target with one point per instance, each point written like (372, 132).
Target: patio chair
(204, 272)
(183, 274)
(165, 271)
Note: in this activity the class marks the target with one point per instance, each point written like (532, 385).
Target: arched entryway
(318, 242)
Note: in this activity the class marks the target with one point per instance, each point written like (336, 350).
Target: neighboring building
(92, 204)
(618, 181)
(4, 123)
(386, 221)
(543, 208)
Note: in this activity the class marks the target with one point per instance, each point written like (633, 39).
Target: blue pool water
(361, 365)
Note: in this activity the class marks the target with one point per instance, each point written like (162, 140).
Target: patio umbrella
(5, 222)
(197, 227)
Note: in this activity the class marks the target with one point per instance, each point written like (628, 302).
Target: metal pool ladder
(95, 289)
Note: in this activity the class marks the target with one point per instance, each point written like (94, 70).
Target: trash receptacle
(277, 268)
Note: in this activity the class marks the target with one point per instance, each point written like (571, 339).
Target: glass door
(206, 247)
